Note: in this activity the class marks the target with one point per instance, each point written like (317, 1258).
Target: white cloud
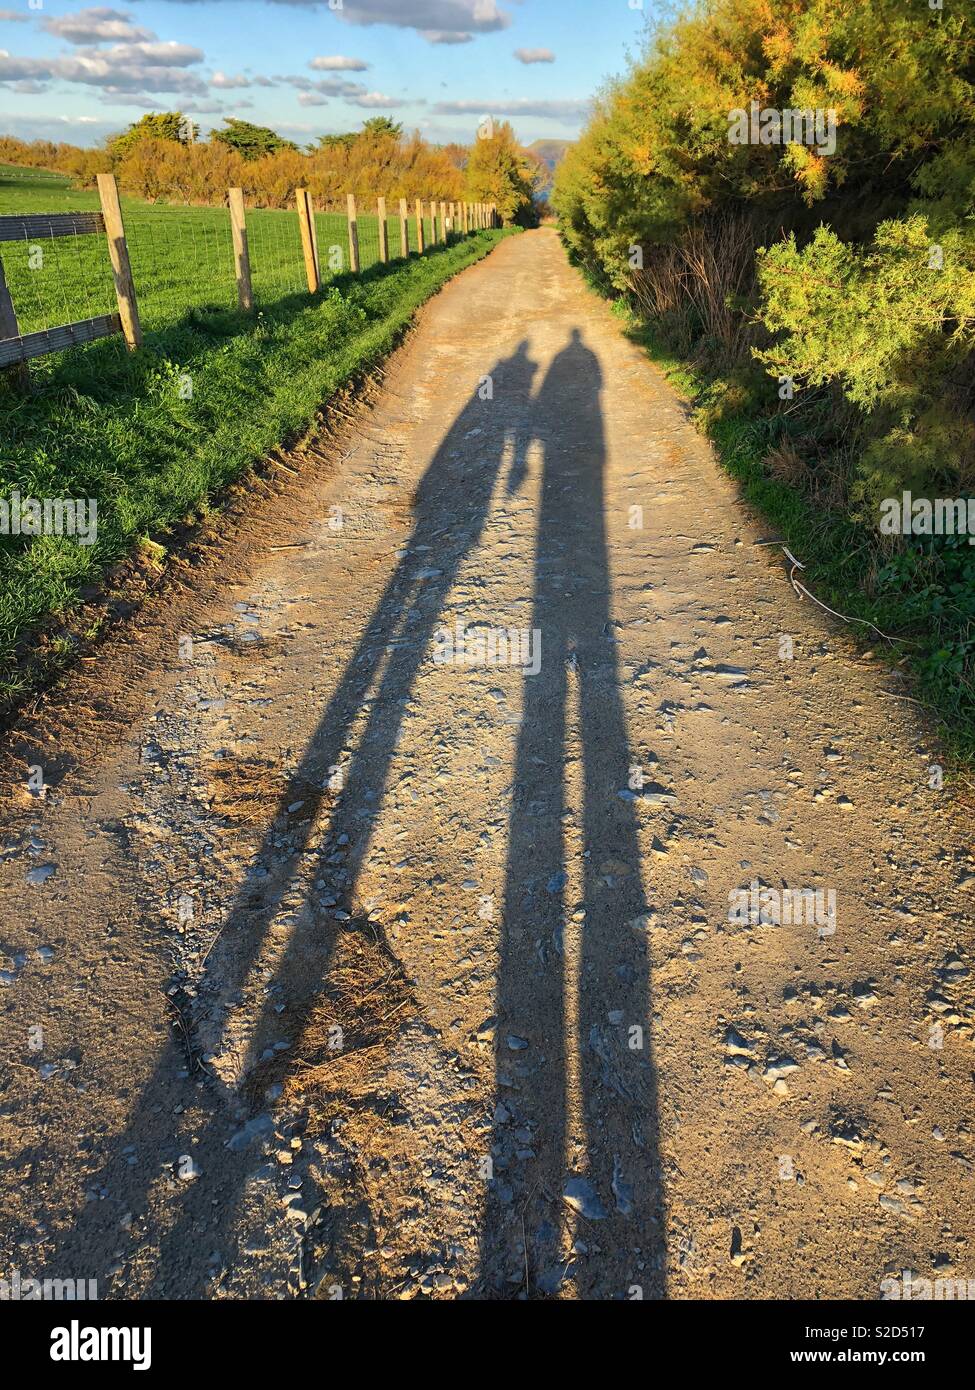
(519, 106)
(166, 52)
(97, 25)
(109, 52)
(373, 100)
(435, 16)
(209, 108)
(136, 67)
(534, 55)
(323, 86)
(339, 64)
(12, 17)
(439, 21)
(21, 69)
(128, 67)
(318, 93)
(222, 80)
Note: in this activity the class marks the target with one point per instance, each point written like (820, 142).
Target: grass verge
(151, 436)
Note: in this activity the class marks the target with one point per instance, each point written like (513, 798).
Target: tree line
(161, 158)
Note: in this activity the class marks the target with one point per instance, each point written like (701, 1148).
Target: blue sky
(76, 72)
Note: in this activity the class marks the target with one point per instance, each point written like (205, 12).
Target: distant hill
(549, 154)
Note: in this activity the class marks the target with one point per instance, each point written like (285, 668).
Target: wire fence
(183, 262)
(54, 280)
(277, 265)
(180, 263)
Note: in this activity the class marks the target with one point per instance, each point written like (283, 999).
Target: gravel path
(337, 966)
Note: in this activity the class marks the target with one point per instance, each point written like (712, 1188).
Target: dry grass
(699, 284)
(244, 792)
(344, 1039)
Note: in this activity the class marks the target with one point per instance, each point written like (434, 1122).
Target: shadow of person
(575, 1197)
(451, 505)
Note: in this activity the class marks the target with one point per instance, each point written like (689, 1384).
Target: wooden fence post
(419, 225)
(443, 222)
(242, 260)
(307, 239)
(353, 236)
(383, 232)
(404, 228)
(19, 374)
(119, 254)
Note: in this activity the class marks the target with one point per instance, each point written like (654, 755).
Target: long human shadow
(575, 1148)
(383, 668)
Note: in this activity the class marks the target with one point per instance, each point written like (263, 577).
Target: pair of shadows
(576, 1123)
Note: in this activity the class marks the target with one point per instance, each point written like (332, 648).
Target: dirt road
(375, 934)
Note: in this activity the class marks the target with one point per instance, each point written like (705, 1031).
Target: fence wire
(276, 258)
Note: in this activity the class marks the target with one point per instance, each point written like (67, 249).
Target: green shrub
(846, 275)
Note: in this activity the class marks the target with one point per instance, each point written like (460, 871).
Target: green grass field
(119, 427)
(182, 257)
